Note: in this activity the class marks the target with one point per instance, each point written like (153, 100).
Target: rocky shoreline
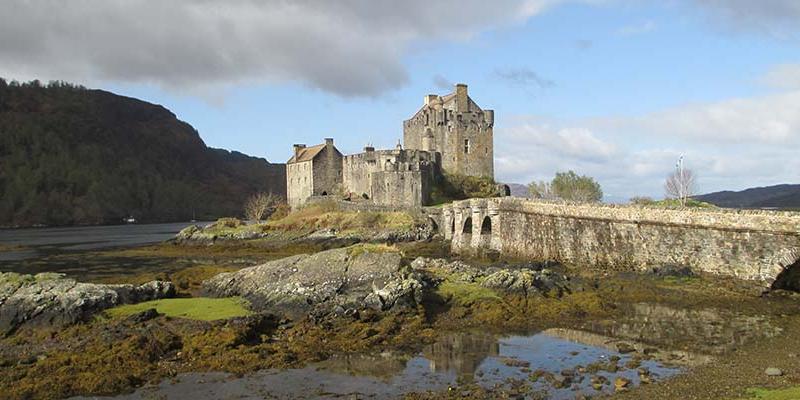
(367, 298)
(52, 300)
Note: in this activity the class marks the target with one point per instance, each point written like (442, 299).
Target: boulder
(346, 278)
(54, 300)
(527, 282)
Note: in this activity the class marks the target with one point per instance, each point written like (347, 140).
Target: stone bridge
(750, 245)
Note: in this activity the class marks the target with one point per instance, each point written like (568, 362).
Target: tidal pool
(533, 365)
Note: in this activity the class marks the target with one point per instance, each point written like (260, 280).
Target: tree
(573, 187)
(680, 184)
(258, 204)
(541, 190)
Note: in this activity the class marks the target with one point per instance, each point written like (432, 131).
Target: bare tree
(258, 204)
(680, 184)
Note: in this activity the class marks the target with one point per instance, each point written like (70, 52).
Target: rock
(679, 271)
(625, 348)
(406, 291)
(561, 381)
(527, 282)
(621, 384)
(54, 300)
(143, 316)
(352, 277)
(772, 371)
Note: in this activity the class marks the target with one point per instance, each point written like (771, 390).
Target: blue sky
(613, 89)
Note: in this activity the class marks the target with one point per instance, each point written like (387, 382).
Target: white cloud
(771, 119)
(348, 47)
(784, 76)
(731, 144)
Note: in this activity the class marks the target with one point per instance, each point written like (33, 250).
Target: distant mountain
(778, 196)
(70, 155)
(519, 190)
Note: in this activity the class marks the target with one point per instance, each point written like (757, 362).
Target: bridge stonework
(749, 245)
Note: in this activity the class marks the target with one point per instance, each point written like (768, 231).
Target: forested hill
(70, 155)
(778, 196)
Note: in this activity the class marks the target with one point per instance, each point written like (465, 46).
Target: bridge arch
(788, 278)
(433, 224)
(467, 229)
(486, 226)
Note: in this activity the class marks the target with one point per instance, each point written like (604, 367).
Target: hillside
(778, 196)
(70, 155)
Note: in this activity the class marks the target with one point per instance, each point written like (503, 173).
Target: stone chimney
(462, 98)
(329, 142)
(297, 148)
(429, 98)
(369, 149)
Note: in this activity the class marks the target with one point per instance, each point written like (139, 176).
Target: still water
(509, 362)
(554, 364)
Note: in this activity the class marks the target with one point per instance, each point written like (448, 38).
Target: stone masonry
(749, 245)
(450, 133)
(457, 128)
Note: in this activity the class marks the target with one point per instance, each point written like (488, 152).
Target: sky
(614, 89)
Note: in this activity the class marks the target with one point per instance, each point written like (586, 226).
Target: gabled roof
(307, 153)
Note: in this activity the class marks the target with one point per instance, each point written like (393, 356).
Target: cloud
(637, 29)
(772, 119)
(732, 144)
(442, 83)
(348, 47)
(778, 18)
(523, 78)
(785, 76)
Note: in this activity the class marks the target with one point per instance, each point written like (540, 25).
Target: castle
(449, 134)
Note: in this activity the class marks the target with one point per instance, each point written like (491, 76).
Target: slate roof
(307, 153)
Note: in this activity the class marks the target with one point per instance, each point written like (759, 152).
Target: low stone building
(313, 171)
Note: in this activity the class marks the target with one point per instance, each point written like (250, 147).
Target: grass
(361, 248)
(197, 308)
(464, 293)
(792, 393)
(327, 215)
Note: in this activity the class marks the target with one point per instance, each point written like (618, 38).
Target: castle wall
(327, 169)
(299, 182)
(390, 177)
(751, 246)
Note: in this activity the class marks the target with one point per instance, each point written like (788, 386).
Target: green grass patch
(792, 393)
(466, 293)
(361, 248)
(199, 308)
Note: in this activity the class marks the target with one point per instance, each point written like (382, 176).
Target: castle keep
(448, 134)
(455, 127)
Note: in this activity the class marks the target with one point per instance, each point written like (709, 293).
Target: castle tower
(454, 126)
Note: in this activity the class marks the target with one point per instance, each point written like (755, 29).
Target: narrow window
(466, 146)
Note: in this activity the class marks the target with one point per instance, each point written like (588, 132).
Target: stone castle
(449, 134)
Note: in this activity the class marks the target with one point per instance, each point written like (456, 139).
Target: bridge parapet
(751, 245)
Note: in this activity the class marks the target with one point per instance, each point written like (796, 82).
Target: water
(28, 250)
(485, 360)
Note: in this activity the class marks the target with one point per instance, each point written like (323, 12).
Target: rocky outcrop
(528, 279)
(527, 282)
(54, 300)
(338, 280)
